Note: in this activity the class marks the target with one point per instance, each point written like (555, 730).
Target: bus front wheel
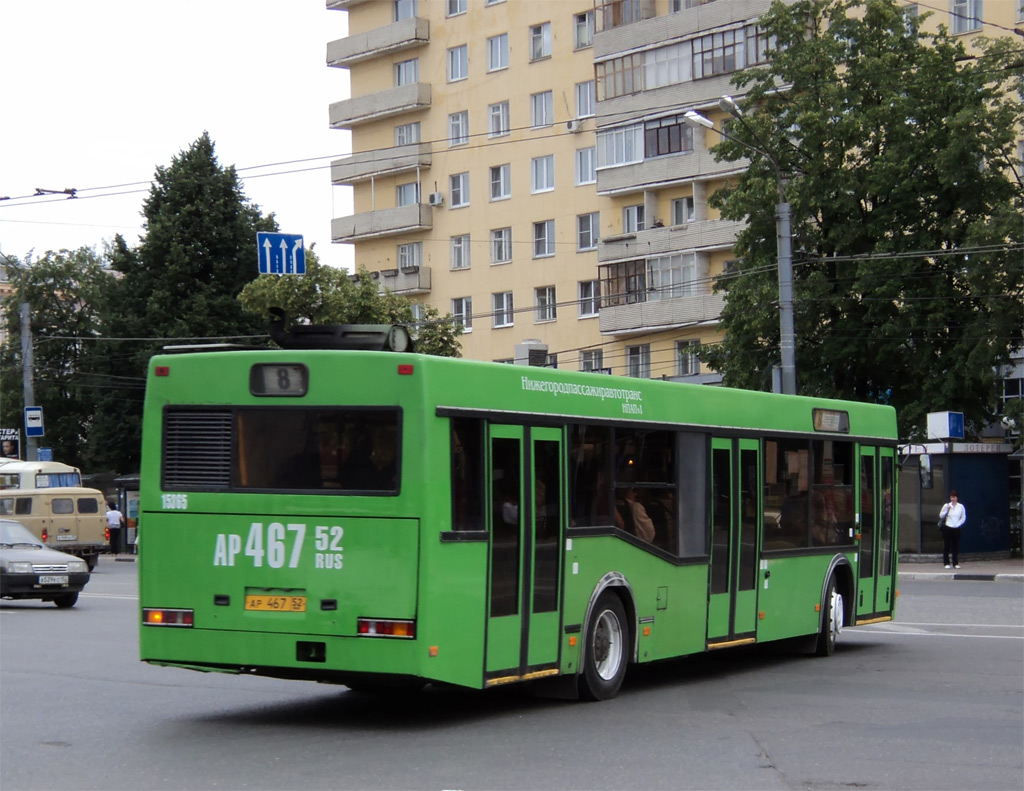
(606, 651)
(831, 620)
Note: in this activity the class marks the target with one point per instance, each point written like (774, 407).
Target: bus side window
(6, 506)
(23, 506)
(88, 505)
(62, 505)
(467, 468)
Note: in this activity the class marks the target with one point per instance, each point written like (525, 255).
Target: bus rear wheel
(831, 620)
(605, 653)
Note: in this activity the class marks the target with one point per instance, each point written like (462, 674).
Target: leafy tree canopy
(324, 295)
(64, 293)
(896, 151)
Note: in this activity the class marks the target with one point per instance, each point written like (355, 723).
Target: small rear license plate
(67, 538)
(54, 579)
(276, 603)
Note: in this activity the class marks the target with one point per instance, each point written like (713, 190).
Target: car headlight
(77, 566)
(20, 567)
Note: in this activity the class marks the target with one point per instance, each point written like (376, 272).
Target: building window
(623, 283)
(498, 122)
(585, 99)
(687, 363)
(638, 361)
(501, 182)
(583, 30)
(456, 7)
(592, 360)
(669, 65)
(1020, 10)
(501, 245)
(544, 303)
(590, 294)
(542, 109)
(407, 72)
(404, 9)
(503, 311)
(615, 13)
(671, 276)
(542, 173)
(544, 239)
(458, 187)
(586, 231)
(406, 134)
(633, 218)
(586, 158)
(407, 194)
(458, 63)
(410, 254)
(966, 15)
(497, 52)
(462, 312)
(458, 128)
(683, 211)
(460, 252)
(718, 53)
(540, 41)
(620, 76)
(622, 146)
(667, 136)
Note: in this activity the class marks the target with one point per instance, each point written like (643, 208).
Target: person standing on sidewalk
(115, 521)
(954, 515)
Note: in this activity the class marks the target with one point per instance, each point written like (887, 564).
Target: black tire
(91, 561)
(831, 620)
(605, 650)
(66, 600)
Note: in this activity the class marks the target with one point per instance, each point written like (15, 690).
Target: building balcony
(658, 171)
(349, 113)
(382, 222)
(640, 317)
(702, 235)
(341, 5)
(407, 281)
(380, 162)
(405, 34)
(688, 22)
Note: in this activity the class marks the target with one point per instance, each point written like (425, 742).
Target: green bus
(379, 518)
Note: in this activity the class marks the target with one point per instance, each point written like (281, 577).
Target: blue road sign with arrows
(281, 253)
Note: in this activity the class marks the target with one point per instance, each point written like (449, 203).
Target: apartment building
(473, 132)
(526, 166)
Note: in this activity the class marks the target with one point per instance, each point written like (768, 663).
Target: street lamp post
(784, 239)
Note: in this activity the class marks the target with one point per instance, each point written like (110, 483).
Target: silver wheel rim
(836, 613)
(607, 645)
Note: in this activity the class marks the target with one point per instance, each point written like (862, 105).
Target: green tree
(896, 151)
(179, 284)
(324, 295)
(64, 292)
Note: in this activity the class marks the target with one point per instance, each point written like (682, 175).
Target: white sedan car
(29, 570)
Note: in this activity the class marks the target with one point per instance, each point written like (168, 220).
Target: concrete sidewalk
(929, 567)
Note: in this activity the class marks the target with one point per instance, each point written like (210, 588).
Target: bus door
(526, 512)
(875, 560)
(736, 514)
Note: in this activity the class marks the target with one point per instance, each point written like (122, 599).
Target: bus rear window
(352, 450)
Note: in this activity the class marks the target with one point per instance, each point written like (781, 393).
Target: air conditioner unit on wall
(435, 199)
(573, 125)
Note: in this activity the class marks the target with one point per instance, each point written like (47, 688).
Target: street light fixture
(784, 238)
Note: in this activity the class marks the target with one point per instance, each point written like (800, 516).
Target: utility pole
(27, 364)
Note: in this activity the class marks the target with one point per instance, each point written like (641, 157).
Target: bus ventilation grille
(197, 449)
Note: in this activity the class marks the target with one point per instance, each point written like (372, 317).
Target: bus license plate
(67, 538)
(276, 603)
(54, 579)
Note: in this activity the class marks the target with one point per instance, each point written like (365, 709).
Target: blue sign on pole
(33, 421)
(281, 253)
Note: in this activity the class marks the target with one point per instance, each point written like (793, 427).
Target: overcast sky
(95, 95)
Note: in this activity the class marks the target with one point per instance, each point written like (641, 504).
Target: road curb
(949, 575)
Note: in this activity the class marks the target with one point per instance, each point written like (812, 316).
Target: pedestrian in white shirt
(952, 518)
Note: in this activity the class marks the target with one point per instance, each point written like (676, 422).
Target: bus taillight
(381, 627)
(153, 616)
(106, 535)
(46, 535)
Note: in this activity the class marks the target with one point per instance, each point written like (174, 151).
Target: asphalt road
(932, 701)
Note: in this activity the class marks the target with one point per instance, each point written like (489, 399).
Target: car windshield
(12, 533)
